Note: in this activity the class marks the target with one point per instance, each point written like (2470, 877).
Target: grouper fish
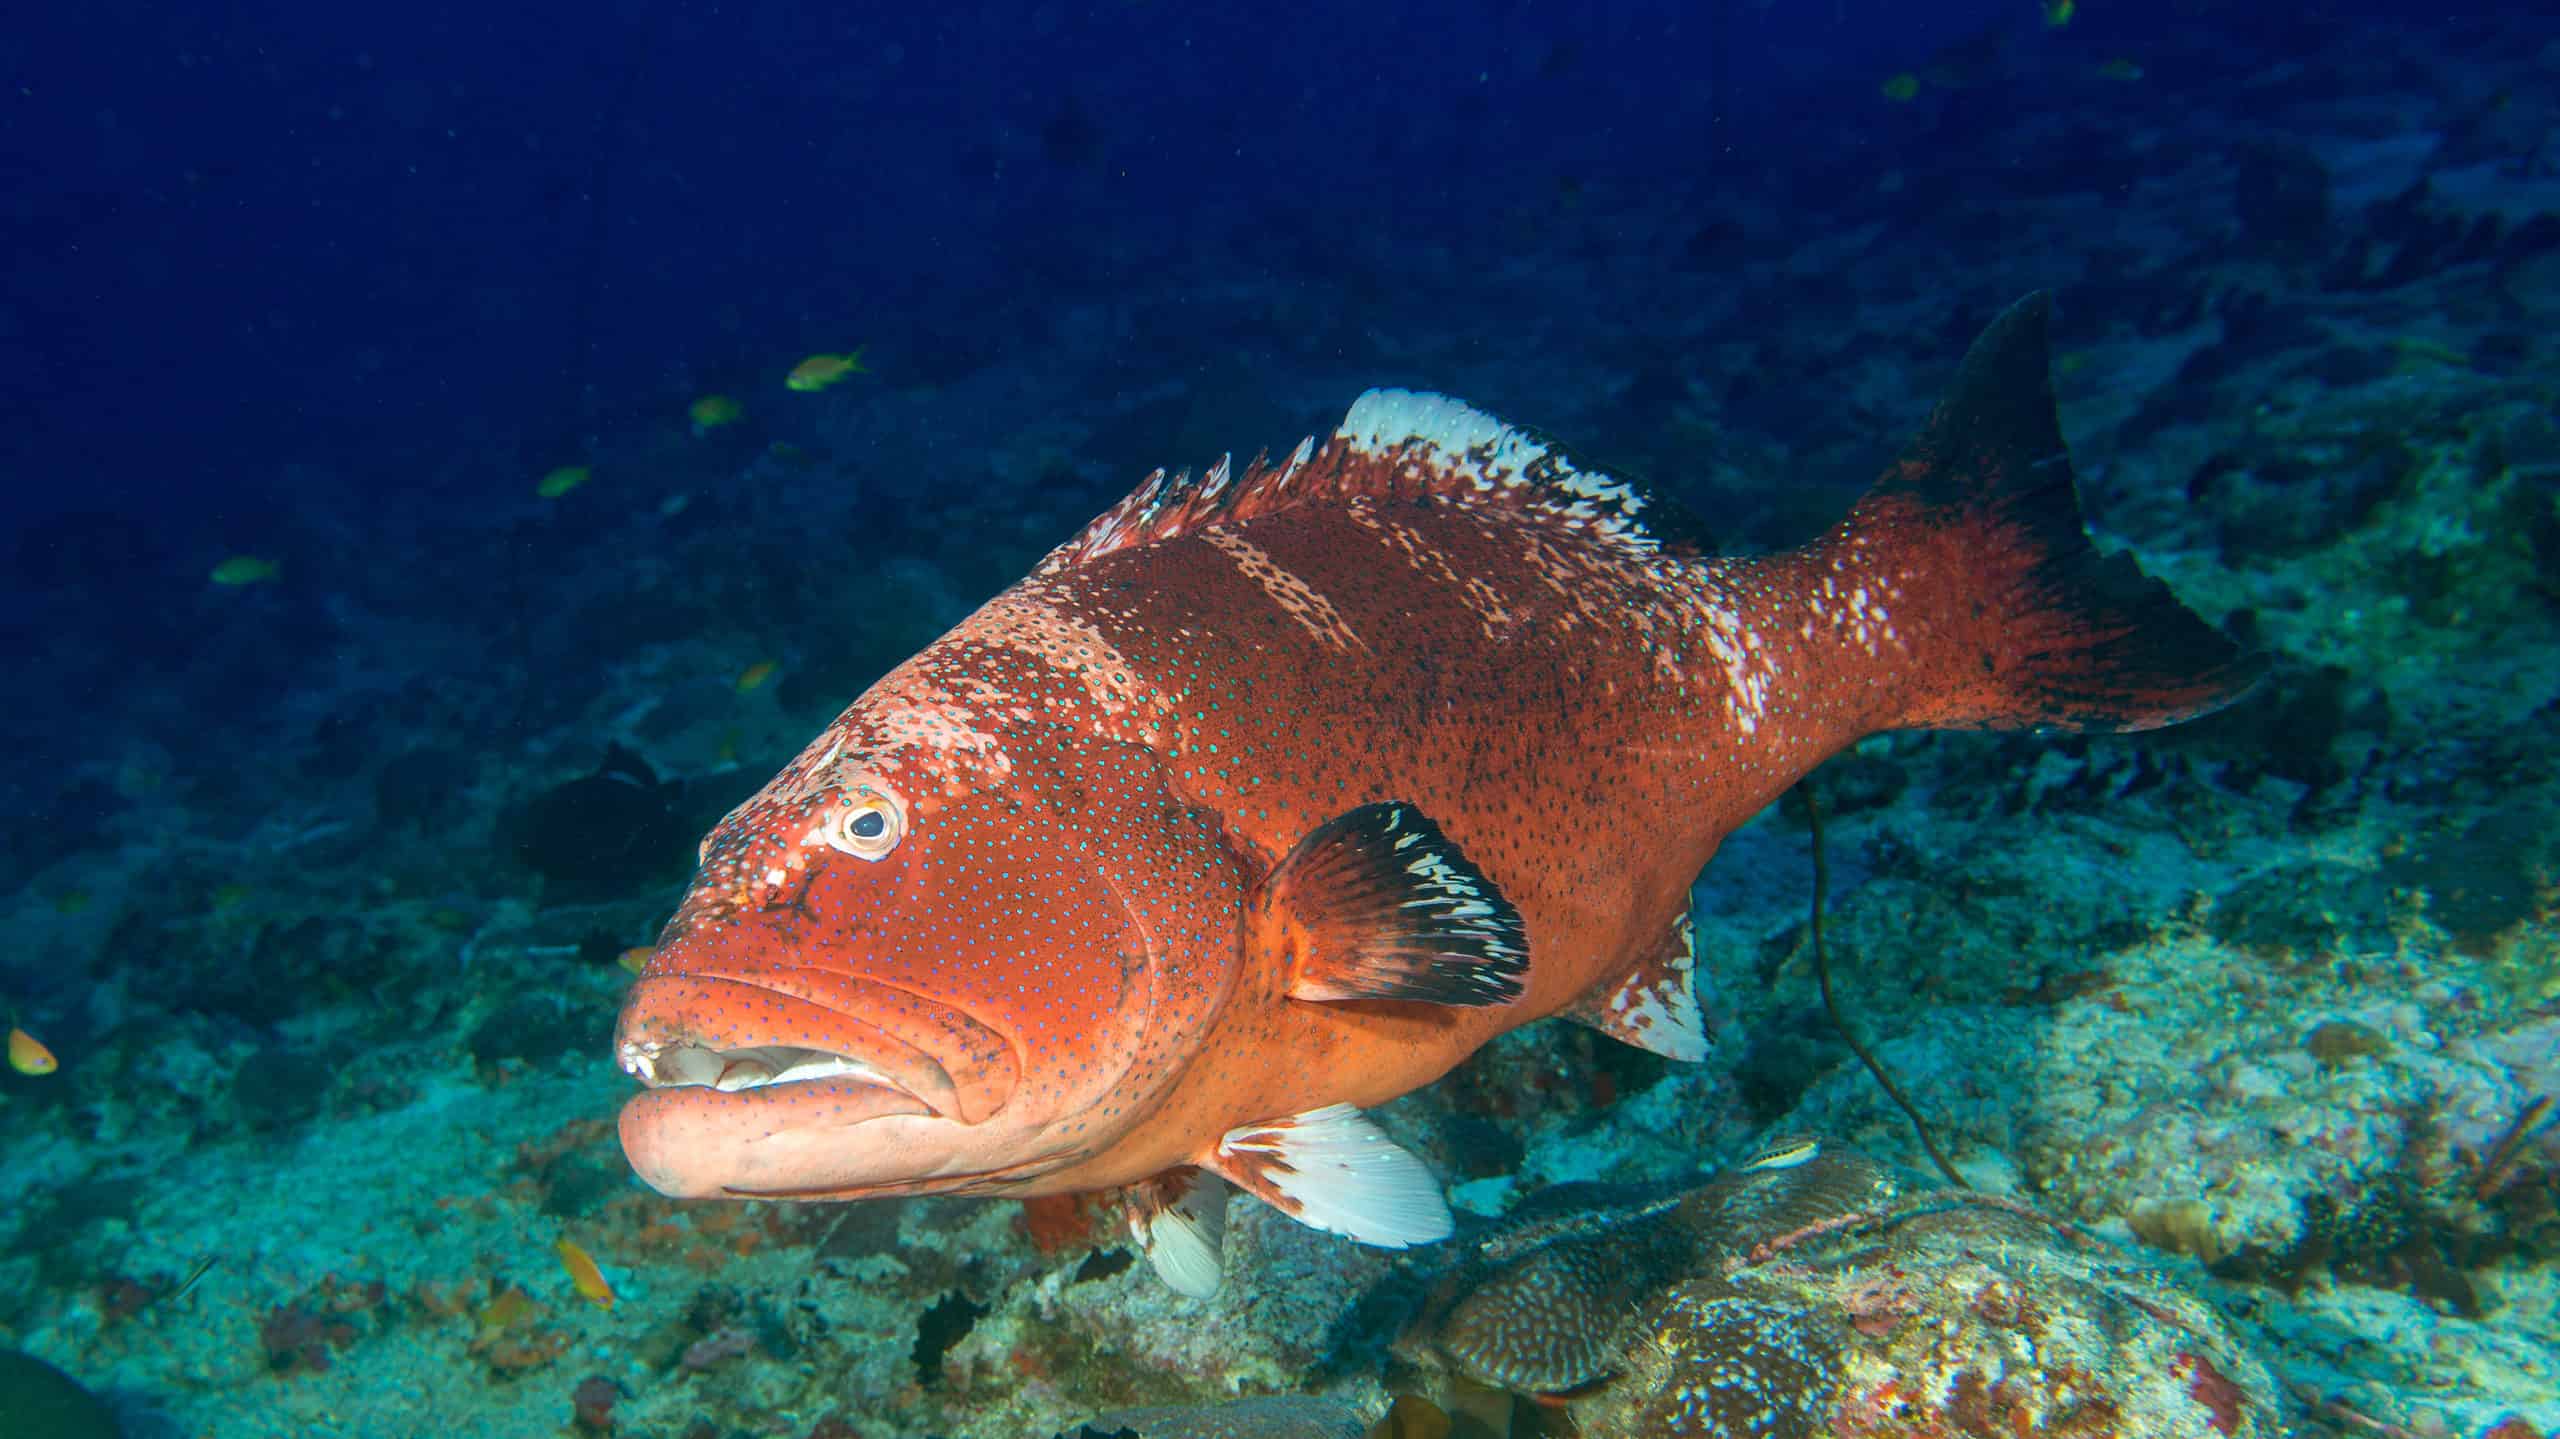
(1278, 791)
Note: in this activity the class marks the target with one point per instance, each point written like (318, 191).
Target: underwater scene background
(457, 454)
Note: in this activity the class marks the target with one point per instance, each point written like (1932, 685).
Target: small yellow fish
(71, 901)
(561, 481)
(713, 411)
(819, 371)
(1900, 88)
(636, 958)
(27, 1054)
(230, 896)
(752, 678)
(2058, 13)
(242, 570)
(583, 1273)
(2416, 353)
(2120, 68)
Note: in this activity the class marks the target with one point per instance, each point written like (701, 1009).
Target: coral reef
(1830, 1296)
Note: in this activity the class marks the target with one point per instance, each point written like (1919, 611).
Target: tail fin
(2029, 626)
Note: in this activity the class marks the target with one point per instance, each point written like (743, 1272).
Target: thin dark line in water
(1831, 1006)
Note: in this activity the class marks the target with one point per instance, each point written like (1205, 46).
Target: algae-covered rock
(38, 1401)
(1277, 1417)
(1818, 1293)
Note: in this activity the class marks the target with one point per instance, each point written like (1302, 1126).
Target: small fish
(1900, 88)
(636, 958)
(230, 896)
(583, 1273)
(1783, 1153)
(819, 371)
(2418, 353)
(2120, 68)
(71, 902)
(752, 678)
(27, 1054)
(561, 481)
(1281, 789)
(243, 570)
(711, 412)
(2058, 13)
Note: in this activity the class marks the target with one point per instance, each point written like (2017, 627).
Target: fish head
(929, 959)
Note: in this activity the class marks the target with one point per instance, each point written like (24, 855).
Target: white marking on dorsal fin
(1297, 458)
(1178, 1219)
(1334, 1169)
(1216, 480)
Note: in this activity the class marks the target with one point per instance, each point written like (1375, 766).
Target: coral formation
(1830, 1296)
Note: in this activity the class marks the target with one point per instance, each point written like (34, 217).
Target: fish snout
(737, 1035)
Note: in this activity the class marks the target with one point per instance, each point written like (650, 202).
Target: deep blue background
(334, 284)
(245, 235)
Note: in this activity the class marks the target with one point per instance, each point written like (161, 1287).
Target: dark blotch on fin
(1379, 904)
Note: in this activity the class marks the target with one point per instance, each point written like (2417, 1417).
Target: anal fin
(1379, 903)
(1334, 1169)
(1655, 1006)
(1178, 1219)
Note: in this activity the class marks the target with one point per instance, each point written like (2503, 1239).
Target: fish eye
(867, 826)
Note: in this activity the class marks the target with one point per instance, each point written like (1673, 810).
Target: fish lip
(692, 1141)
(735, 1034)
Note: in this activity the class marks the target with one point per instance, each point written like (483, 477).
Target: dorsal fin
(1396, 445)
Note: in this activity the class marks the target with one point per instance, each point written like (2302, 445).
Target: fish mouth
(662, 1065)
(793, 1030)
(791, 1081)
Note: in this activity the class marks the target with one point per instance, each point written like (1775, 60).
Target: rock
(1266, 1418)
(1826, 1295)
(38, 1401)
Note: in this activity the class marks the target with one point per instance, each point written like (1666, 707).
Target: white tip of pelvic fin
(1179, 1221)
(1334, 1169)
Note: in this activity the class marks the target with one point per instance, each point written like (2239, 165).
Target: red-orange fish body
(1275, 794)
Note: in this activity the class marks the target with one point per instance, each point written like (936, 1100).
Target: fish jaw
(696, 1142)
(755, 1089)
(733, 1032)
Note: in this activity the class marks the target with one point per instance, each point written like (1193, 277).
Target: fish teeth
(686, 1064)
(662, 1066)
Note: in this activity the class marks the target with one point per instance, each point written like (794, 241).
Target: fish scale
(1278, 791)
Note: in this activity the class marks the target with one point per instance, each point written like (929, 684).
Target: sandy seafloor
(2260, 994)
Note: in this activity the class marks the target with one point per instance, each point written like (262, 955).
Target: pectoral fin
(1335, 1170)
(1378, 903)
